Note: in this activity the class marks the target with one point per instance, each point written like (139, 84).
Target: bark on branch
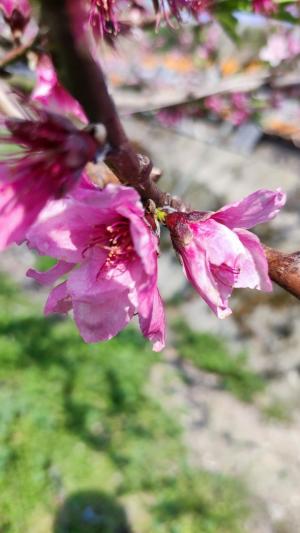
(284, 269)
(83, 77)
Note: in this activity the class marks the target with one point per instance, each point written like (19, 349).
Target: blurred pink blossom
(51, 159)
(266, 7)
(235, 107)
(215, 103)
(103, 17)
(49, 92)
(280, 46)
(16, 13)
(218, 253)
(240, 109)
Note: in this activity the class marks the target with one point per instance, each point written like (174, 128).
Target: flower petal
(153, 326)
(261, 206)
(197, 270)
(103, 306)
(253, 265)
(51, 275)
(63, 230)
(58, 300)
(17, 214)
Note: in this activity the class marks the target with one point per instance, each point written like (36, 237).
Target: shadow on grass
(91, 512)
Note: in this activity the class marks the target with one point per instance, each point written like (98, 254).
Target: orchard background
(202, 437)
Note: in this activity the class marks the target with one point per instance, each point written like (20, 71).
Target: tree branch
(84, 78)
(284, 269)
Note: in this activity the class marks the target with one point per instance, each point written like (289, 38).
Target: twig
(84, 78)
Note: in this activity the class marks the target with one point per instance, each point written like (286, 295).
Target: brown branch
(84, 78)
(284, 269)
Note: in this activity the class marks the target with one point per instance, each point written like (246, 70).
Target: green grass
(80, 437)
(202, 502)
(210, 353)
(44, 262)
(278, 411)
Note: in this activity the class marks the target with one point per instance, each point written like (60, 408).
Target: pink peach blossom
(51, 159)
(218, 253)
(109, 251)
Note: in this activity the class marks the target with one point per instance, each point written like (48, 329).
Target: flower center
(119, 243)
(116, 240)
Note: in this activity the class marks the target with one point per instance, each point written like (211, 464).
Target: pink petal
(51, 275)
(145, 243)
(58, 300)
(123, 200)
(103, 306)
(253, 265)
(225, 278)
(153, 326)
(15, 216)
(101, 318)
(63, 229)
(51, 94)
(197, 270)
(85, 280)
(221, 244)
(261, 206)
